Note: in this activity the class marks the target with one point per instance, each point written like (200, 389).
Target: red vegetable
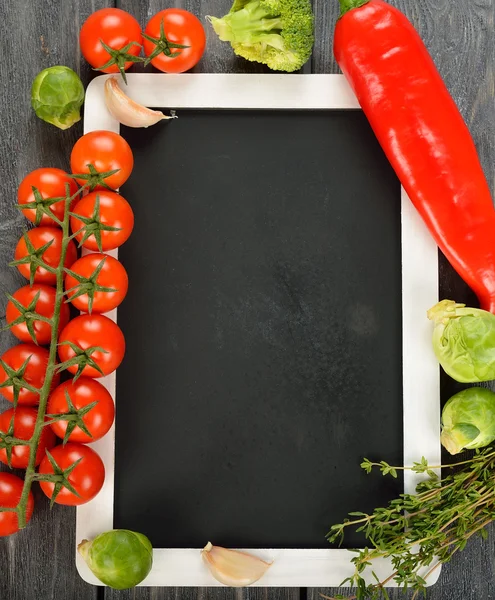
(174, 40)
(39, 238)
(104, 220)
(111, 276)
(97, 340)
(423, 135)
(47, 184)
(44, 306)
(86, 478)
(10, 494)
(106, 151)
(20, 423)
(119, 32)
(27, 362)
(83, 392)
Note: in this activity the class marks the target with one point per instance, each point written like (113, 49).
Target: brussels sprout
(57, 95)
(468, 420)
(120, 558)
(464, 341)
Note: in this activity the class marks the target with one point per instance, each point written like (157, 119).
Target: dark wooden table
(38, 563)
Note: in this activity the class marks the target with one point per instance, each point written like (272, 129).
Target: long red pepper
(423, 135)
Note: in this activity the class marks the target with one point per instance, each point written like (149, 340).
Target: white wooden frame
(298, 568)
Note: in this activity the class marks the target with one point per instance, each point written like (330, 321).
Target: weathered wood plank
(326, 15)
(204, 594)
(39, 561)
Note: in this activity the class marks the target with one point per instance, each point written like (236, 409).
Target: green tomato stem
(51, 368)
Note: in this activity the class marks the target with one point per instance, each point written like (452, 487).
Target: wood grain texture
(326, 15)
(39, 561)
(204, 594)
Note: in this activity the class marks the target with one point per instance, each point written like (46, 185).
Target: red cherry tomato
(44, 307)
(81, 393)
(112, 276)
(89, 331)
(114, 210)
(180, 27)
(106, 151)
(39, 236)
(34, 375)
(87, 478)
(23, 419)
(50, 183)
(10, 494)
(116, 28)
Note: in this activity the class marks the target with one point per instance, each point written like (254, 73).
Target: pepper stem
(347, 5)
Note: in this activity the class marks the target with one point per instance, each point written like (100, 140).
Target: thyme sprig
(418, 532)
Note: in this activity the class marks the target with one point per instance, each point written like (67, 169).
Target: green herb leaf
(440, 519)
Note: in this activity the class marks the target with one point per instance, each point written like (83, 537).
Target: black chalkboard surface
(263, 327)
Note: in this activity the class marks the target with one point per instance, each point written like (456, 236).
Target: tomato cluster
(111, 40)
(72, 212)
(79, 410)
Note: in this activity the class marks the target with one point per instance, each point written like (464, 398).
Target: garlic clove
(233, 568)
(126, 111)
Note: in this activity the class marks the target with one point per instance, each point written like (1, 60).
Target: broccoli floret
(278, 33)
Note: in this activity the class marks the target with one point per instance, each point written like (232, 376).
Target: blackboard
(263, 327)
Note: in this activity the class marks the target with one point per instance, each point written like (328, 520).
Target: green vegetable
(468, 420)
(278, 33)
(120, 558)
(57, 95)
(464, 341)
(418, 532)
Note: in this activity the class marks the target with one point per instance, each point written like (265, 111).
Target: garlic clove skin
(126, 111)
(233, 568)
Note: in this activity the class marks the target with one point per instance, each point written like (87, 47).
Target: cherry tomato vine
(80, 410)
(44, 392)
(54, 477)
